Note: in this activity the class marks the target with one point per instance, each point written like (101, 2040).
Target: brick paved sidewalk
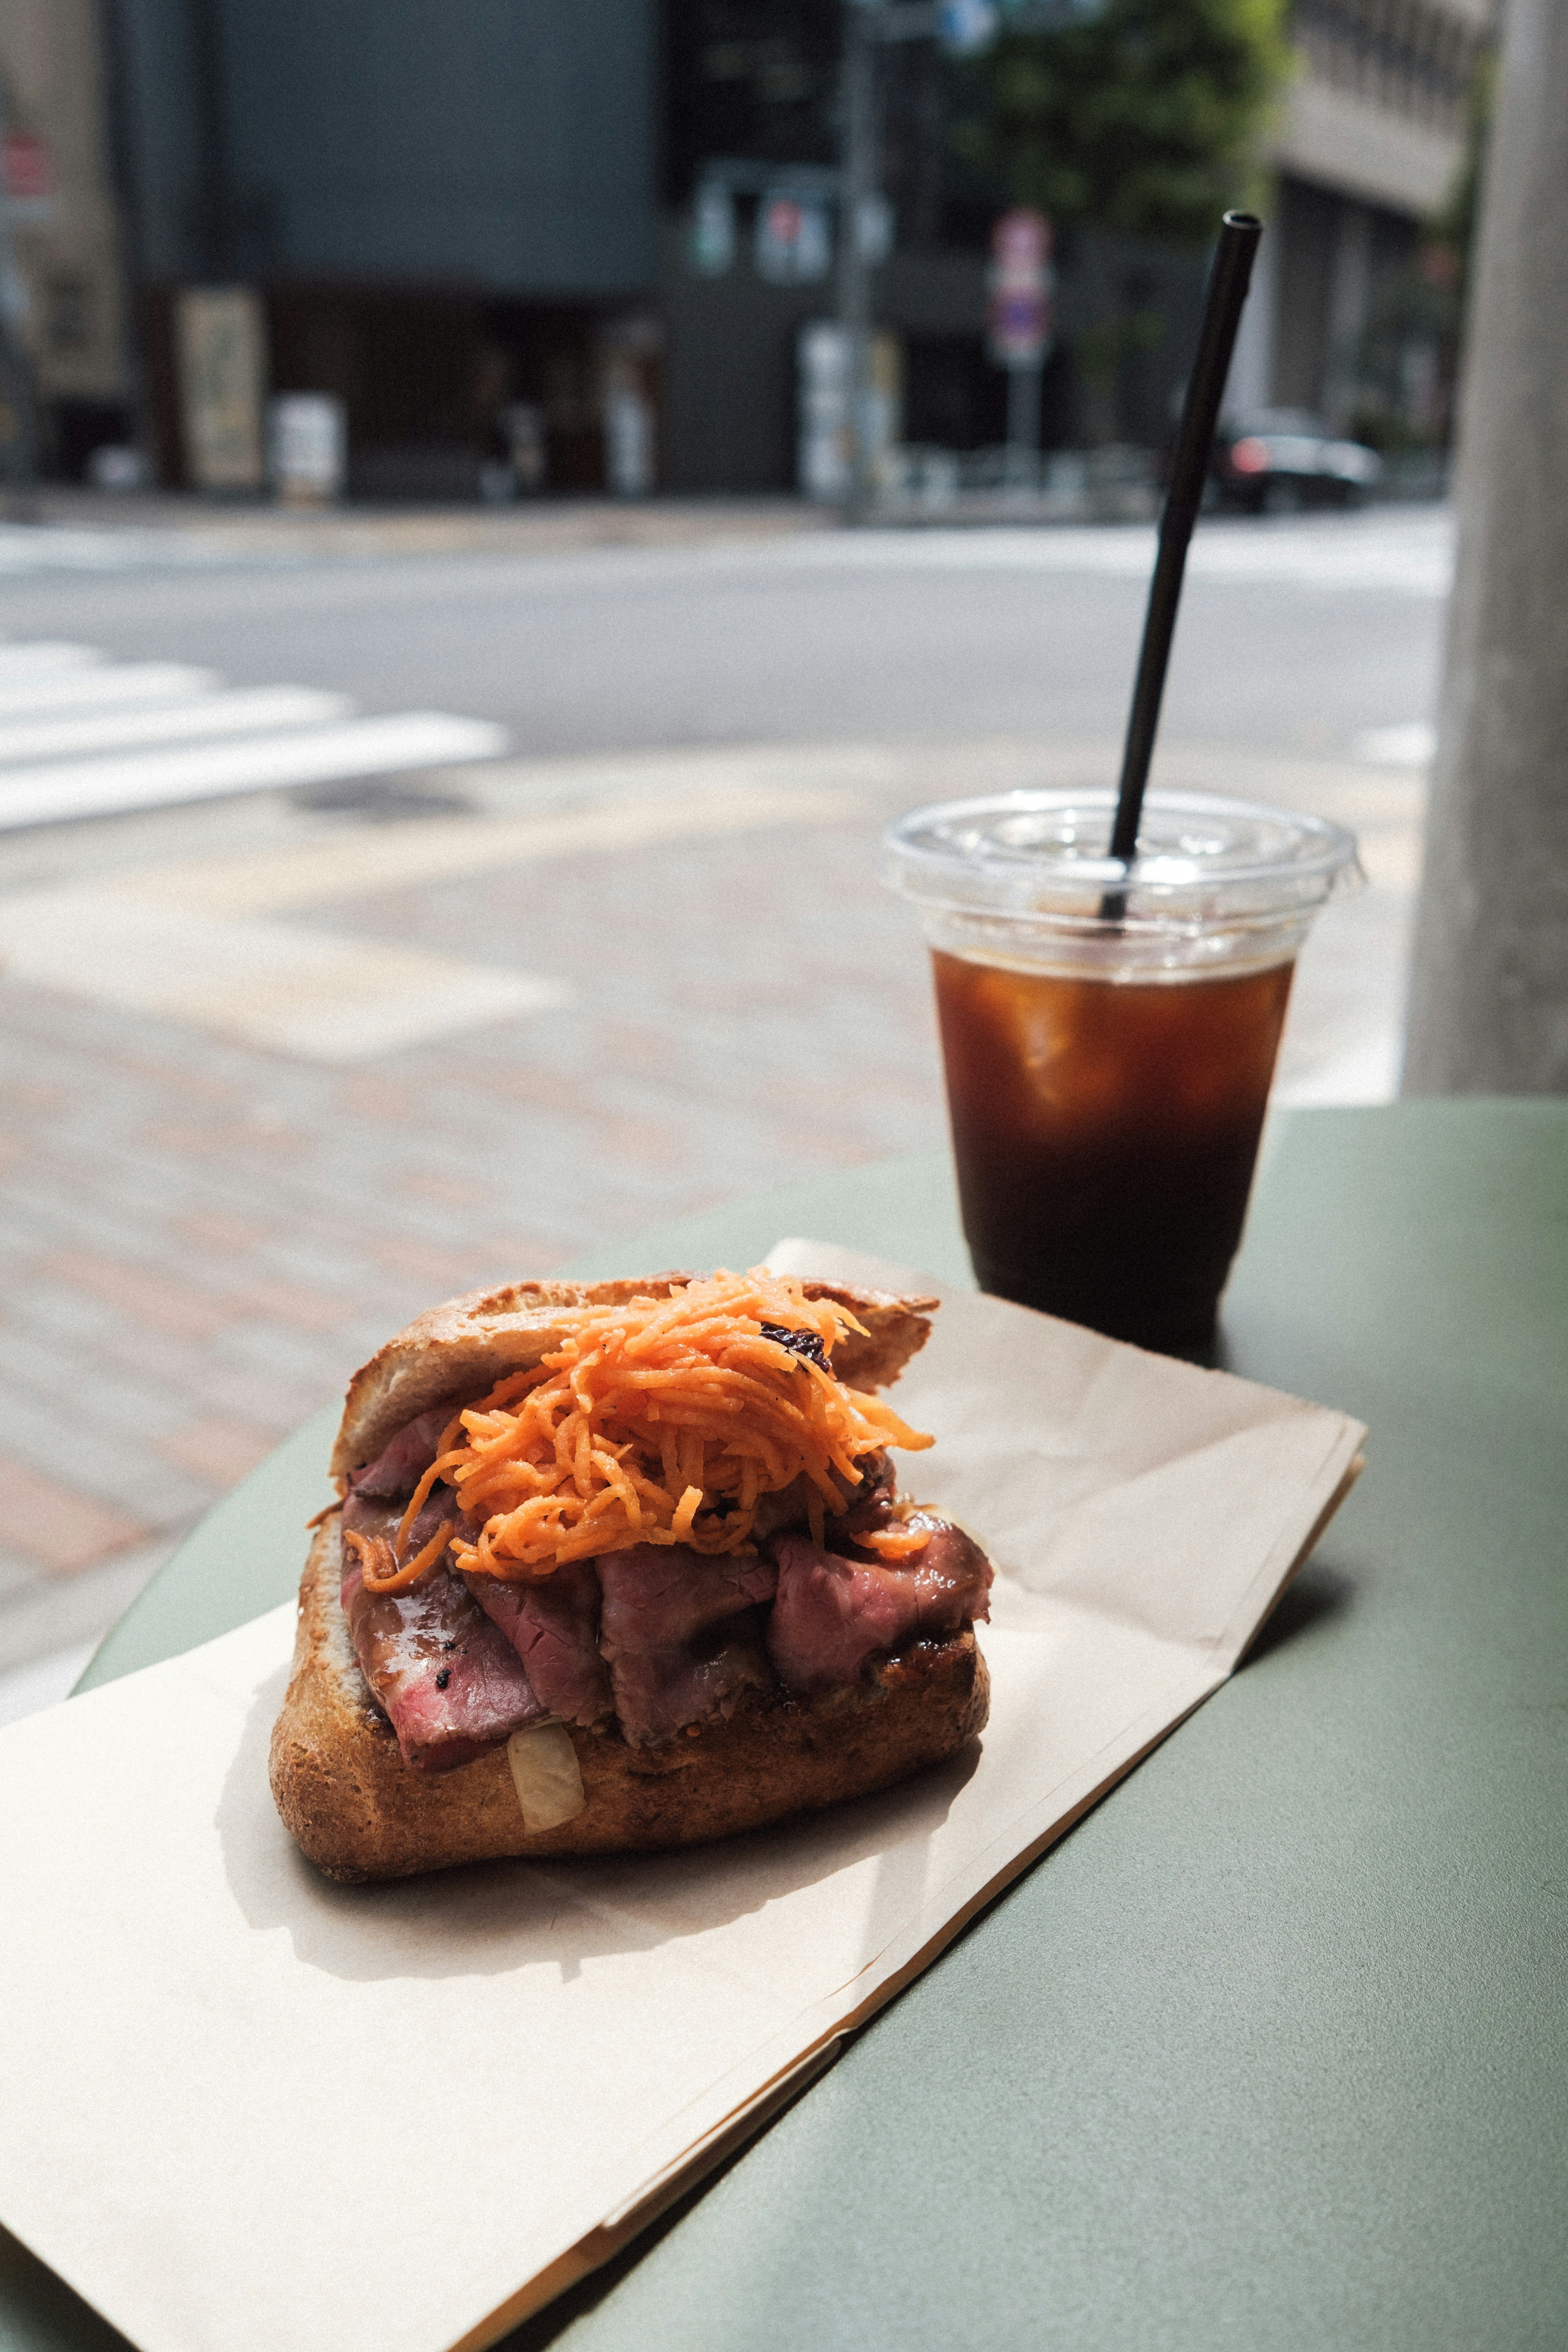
(200, 1239)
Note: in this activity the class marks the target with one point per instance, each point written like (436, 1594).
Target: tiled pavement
(200, 1239)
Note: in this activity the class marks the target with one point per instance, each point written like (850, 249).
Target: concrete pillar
(1490, 986)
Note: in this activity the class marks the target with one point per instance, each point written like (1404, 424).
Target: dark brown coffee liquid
(1105, 1132)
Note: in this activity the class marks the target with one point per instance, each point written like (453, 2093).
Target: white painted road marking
(1412, 745)
(84, 737)
(104, 687)
(357, 747)
(1415, 559)
(241, 713)
(44, 655)
(65, 547)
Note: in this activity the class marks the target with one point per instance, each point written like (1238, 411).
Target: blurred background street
(281, 1068)
(498, 507)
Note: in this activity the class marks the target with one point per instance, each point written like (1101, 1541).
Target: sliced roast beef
(951, 1574)
(552, 1624)
(448, 1680)
(682, 1634)
(833, 1615)
(404, 1460)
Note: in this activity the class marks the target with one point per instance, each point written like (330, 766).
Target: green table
(1272, 2050)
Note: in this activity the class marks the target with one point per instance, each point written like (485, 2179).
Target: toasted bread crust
(452, 1354)
(359, 1811)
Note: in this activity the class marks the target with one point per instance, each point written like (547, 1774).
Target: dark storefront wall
(729, 375)
(730, 343)
(1309, 218)
(440, 200)
(1309, 343)
(423, 372)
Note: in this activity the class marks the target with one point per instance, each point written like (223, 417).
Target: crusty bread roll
(358, 1812)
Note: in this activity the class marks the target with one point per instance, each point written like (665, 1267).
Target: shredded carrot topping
(660, 1421)
(896, 1543)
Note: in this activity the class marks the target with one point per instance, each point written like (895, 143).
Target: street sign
(1019, 314)
(1020, 327)
(792, 244)
(26, 167)
(1021, 245)
(220, 355)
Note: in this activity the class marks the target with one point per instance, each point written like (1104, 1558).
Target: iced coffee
(1109, 1050)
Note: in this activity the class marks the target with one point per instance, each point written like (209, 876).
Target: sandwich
(619, 1565)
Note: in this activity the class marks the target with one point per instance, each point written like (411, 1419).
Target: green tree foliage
(1142, 120)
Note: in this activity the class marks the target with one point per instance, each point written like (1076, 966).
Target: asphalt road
(903, 634)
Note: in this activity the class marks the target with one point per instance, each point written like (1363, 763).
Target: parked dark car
(1280, 460)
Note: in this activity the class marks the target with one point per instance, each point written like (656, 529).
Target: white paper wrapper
(240, 2107)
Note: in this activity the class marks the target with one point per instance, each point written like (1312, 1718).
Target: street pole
(963, 27)
(859, 175)
(1019, 319)
(1023, 426)
(18, 412)
(1488, 999)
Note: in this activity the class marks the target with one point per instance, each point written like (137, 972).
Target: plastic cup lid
(1036, 853)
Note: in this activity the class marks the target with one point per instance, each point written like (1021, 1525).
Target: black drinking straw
(1239, 235)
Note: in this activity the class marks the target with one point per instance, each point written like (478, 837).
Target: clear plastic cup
(1109, 1038)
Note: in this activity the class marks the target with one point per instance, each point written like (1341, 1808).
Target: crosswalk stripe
(1413, 744)
(246, 711)
(61, 547)
(122, 683)
(81, 736)
(45, 654)
(1331, 558)
(356, 747)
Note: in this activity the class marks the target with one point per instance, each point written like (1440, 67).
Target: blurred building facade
(64, 267)
(449, 208)
(574, 245)
(1368, 149)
